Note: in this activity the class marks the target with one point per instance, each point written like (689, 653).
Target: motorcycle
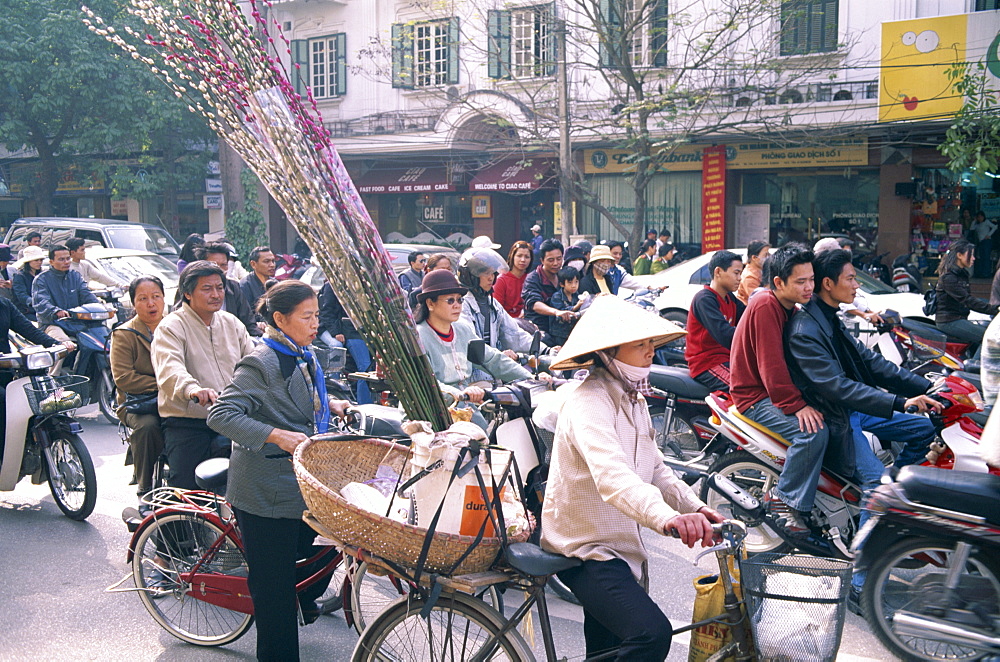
(93, 347)
(905, 276)
(916, 345)
(680, 414)
(759, 456)
(932, 553)
(289, 265)
(42, 439)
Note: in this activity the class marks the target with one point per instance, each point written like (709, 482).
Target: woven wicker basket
(323, 466)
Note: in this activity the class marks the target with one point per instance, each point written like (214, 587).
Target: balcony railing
(830, 92)
(384, 123)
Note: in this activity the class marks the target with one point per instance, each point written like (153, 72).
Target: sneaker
(854, 601)
(789, 519)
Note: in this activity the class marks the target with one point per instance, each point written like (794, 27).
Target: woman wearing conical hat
(607, 480)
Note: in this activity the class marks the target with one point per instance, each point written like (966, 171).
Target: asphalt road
(54, 572)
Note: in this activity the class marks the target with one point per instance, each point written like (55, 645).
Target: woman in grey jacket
(277, 399)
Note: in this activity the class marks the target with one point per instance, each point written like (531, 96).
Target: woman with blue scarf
(277, 400)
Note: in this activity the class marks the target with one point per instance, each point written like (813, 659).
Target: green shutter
(402, 55)
(341, 63)
(658, 35)
(454, 37)
(830, 10)
(609, 33)
(498, 62)
(300, 65)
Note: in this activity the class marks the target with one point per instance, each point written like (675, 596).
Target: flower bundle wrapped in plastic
(215, 56)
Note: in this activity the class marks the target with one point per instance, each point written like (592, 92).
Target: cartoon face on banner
(915, 59)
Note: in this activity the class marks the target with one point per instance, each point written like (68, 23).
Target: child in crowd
(565, 298)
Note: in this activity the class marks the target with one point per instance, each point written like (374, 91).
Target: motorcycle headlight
(38, 360)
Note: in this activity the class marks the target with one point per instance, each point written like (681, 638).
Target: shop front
(514, 194)
(773, 192)
(417, 200)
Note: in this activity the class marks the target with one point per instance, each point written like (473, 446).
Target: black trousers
(271, 547)
(618, 613)
(188, 442)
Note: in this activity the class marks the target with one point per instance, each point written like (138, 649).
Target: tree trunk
(171, 216)
(230, 167)
(44, 188)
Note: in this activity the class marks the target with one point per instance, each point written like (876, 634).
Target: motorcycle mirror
(536, 343)
(476, 352)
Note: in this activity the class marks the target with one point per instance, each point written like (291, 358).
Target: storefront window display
(805, 207)
(673, 201)
(941, 213)
(444, 214)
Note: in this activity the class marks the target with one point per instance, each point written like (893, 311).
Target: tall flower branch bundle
(209, 53)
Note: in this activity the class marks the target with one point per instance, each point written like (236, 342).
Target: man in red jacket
(711, 322)
(762, 388)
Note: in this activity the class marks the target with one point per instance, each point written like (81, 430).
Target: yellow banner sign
(739, 156)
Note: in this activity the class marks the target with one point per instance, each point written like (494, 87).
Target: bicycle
(456, 626)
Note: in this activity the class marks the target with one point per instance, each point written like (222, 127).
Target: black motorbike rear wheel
(909, 576)
(106, 395)
(71, 475)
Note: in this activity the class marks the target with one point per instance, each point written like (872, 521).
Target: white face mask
(633, 373)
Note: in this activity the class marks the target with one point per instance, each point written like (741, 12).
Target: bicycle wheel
(910, 576)
(72, 479)
(458, 627)
(756, 478)
(372, 593)
(106, 396)
(171, 546)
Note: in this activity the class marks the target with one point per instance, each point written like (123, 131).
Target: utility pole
(565, 149)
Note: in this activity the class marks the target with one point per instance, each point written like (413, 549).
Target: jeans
(363, 360)
(617, 612)
(804, 459)
(914, 432)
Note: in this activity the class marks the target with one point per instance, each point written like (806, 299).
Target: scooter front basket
(51, 395)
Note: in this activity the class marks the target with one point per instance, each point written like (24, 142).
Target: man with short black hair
(195, 351)
(845, 380)
(711, 322)
(235, 303)
(81, 265)
(31, 239)
(663, 239)
(411, 278)
(55, 291)
(763, 391)
(541, 284)
(262, 268)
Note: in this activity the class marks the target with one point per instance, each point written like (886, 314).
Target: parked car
(126, 265)
(105, 232)
(398, 254)
(682, 282)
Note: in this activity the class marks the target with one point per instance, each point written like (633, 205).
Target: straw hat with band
(438, 282)
(600, 253)
(610, 322)
(31, 253)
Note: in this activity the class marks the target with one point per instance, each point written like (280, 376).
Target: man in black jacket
(844, 379)
(337, 330)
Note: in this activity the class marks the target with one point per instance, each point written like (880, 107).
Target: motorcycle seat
(980, 417)
(962, 491)
(534, 561)
(211, 475)
(677, 381)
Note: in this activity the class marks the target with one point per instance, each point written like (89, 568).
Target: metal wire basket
(796, 605)
(51, 395)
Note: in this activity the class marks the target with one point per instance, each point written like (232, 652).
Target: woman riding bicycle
(446, 339)
(277, 399)
(607, 478)
(132, 369)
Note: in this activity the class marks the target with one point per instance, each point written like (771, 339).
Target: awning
(525, 174)
(432, 179)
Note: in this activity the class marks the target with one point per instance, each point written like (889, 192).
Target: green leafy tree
(972, 142)
(245, 228)
(73, 99)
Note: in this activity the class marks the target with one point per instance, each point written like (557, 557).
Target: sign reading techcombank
(740, 156)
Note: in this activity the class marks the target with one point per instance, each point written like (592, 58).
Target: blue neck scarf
(282, 344)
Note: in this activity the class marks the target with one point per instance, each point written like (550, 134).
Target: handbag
(930, 302)
(140, 404)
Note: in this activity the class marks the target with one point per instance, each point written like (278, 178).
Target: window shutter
(300, 74)
(454, 36)
(793, 22)
(830, 11)
(658, 34)
(610, 33)
(498, 23)
(402, 55)
(341, 63)
(552, 35)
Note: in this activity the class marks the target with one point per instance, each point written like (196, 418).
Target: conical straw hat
(609, 322)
